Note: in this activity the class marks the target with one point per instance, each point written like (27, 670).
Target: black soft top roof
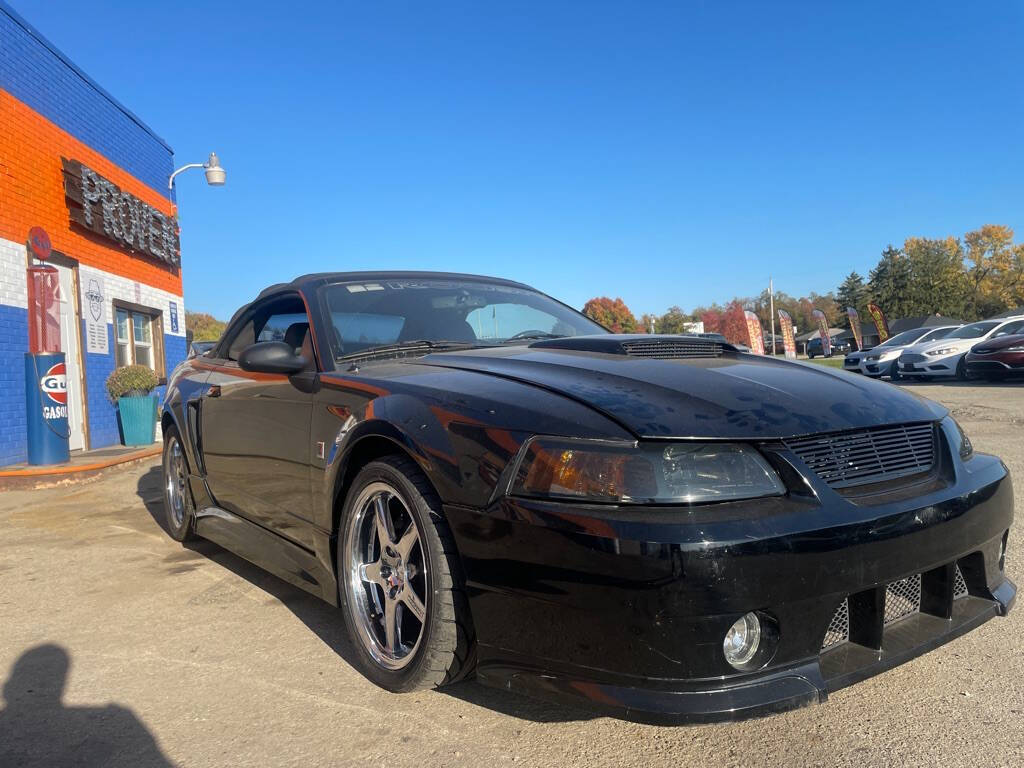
(312, 281)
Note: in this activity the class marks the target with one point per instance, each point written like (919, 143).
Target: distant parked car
(945, 357)
(999, 357)
(852, 361)
(841, 346)
(882, 360)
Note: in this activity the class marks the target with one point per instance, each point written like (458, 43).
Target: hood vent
(672, 349)
(638, 345)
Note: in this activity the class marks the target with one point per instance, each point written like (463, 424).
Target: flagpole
(771, 301)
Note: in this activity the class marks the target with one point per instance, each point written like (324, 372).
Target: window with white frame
(137, 338)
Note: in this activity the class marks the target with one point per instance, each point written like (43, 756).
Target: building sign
(101, 207)
(94, 315)
(174, 317)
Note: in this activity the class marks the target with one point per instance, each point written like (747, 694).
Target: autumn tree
(204, 327)
(613, 314)
(995, 270)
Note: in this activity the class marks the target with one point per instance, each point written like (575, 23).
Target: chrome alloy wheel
(387, 577)
(176, 478)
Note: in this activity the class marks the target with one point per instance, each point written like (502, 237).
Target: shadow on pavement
(37, 729)
(327, 622)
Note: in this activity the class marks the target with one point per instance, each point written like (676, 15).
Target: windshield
(907, 337)
(940, 333)
(372, 314)
(972, 331)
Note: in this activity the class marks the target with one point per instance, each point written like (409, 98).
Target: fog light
(742, 640)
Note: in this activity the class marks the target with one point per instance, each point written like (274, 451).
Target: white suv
(945, 357)
(881, 360)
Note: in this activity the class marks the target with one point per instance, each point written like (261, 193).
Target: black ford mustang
(661, 527)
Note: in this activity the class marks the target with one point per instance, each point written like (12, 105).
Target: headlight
(964, 447)
(616, 472)
(891, 355)
(943, 351)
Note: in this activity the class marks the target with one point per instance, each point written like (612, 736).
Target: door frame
(62, 260)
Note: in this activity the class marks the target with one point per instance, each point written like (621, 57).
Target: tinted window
(906, 337)
(1010, 329)
(276, 326)
(369, 314)
(938, 333)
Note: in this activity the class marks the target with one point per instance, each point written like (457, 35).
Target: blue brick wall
(103, 429)
(102, 416)
(37, 74)
(13, 346)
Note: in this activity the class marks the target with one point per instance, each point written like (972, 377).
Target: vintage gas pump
(46, 390)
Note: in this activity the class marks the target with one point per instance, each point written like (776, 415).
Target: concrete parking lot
(120, 647)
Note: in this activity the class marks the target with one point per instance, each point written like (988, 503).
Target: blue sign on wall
(174, 317)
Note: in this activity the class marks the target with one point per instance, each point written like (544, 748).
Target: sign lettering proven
(100, 206)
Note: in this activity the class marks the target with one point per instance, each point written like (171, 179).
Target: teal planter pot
(138, 419)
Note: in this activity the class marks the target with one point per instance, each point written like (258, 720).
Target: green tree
(889, 281)
(613, 314)
(673, 321)
(204, 327)
(938, 282)
(852, 292)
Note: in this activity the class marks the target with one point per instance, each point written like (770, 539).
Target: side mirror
(271, 357)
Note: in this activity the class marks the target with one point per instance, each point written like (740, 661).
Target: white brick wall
(13, 286)
(123, 289)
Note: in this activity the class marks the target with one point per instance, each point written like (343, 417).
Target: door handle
(213, 391)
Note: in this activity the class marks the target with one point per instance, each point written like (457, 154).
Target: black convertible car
(489, 483)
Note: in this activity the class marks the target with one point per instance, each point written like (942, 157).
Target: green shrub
(130, 381)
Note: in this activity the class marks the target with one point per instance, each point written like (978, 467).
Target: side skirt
(269, 551)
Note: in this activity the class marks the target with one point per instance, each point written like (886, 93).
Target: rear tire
(400, 581)
(179, 506)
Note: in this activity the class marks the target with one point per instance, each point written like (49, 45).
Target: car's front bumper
(625, 609)
(996, 362)
(926, 365)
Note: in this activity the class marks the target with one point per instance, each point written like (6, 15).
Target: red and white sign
(39, 242)
(54, 384)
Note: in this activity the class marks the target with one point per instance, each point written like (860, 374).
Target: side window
(276, 326)
(279, 319)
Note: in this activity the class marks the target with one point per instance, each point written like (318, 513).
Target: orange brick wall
(32, 194)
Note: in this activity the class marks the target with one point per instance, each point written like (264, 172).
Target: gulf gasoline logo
(54, 384)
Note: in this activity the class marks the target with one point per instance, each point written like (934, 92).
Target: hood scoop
(640, 345)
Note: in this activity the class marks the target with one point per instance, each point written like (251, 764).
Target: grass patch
(832, 362)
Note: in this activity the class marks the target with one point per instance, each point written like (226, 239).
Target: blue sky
(668, 153)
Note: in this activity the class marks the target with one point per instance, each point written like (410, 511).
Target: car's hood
(993, 345)
(734, 395)
(959, 345)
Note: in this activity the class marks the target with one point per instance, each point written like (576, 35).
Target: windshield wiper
(403, 348)
(531, 337)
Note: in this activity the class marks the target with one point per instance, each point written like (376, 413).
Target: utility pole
(771, 303)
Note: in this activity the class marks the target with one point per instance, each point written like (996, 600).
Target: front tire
(400, 581)
(894, 371)
(179, 506)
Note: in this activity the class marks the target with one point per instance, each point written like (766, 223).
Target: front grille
(671, 349)
(873, 455)
(839, 628)
(902, 598)
(905, 358)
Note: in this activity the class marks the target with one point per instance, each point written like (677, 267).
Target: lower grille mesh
(839, 628)
(902, 598)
